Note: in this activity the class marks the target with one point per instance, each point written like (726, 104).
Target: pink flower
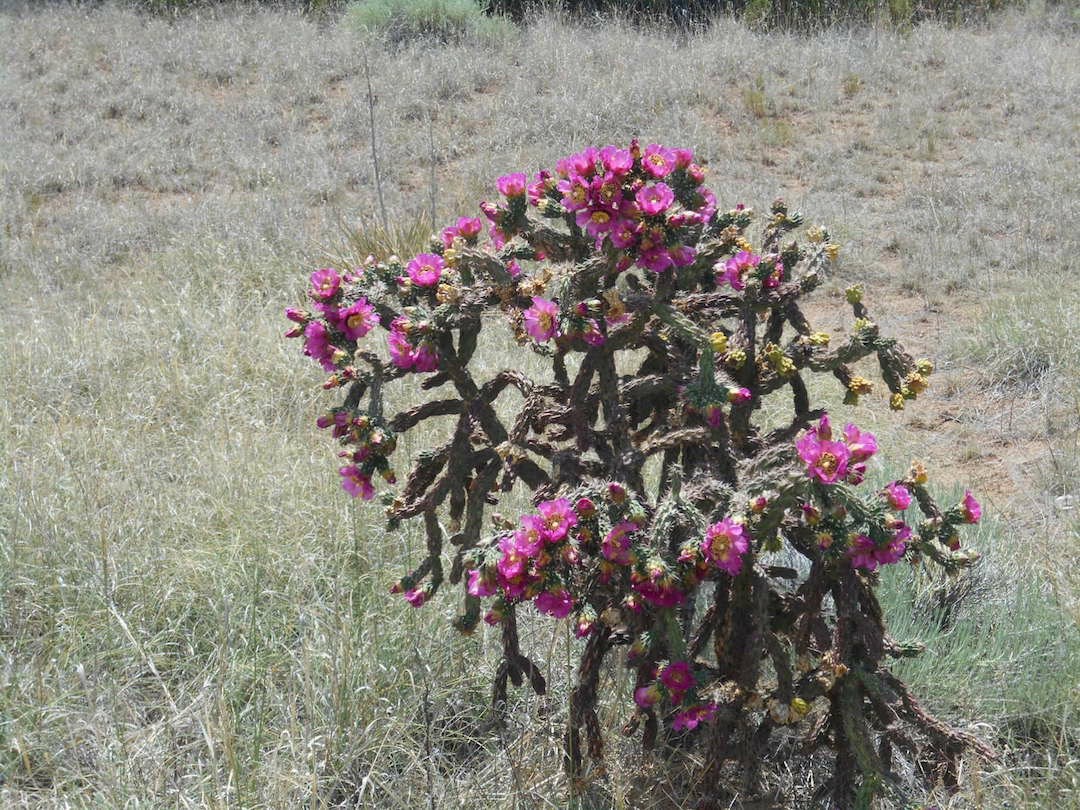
(738, 267)
(585, 508)
(479, 585)
(655, 199)
(897, 495)
(861, 444)
(862, 553)
(585, 623)
(425, 270)
(356, 483)
(647, 696)
(616, 545)
(556, 603)
(325, 284)
(595, 221)
(724, 544)
(530, 539)
(894, 550)
(691, 718)
(624, 233)
(469, 227)
(678, 678)
(317, 345)
(298, 315)
(425, 358)
(416, 597)
(557, 517)
(357, 319)
(657, 259)
(826, 460)
(402, 354)
(617, 161)
(658, 161)
(512, 185)
(739, 396)
(541, 319)
(539, 188)
(575, 191)
(972, 508)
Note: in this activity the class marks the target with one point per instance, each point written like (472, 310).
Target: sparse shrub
(736, 561)
(406, 20)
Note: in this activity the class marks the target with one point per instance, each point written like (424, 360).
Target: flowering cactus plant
(733, 560)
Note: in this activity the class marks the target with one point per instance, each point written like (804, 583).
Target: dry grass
(192, 614)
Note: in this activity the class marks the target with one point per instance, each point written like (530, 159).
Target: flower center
(828, 463)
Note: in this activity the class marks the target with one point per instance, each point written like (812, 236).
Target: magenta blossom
(557, 517)
(402, 354)
(325, 284)
(317, 345)
(416, 597)
(532, 535)
(655, 199)
(357, 319)
(861, 444)
(617, 161)
(616, 545)
(972, 508)
(738, 267)
(689, 719)
(678, 678)
(658, 161)
(356, 483)
(556, 603)
(425, 358)
(479, 585)
(512, 185)
(862, 553)
(425, 270)
(541, 319)
(725, 544)
(897, 495)
(647, 696)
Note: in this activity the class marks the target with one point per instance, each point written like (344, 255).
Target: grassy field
(192, 612)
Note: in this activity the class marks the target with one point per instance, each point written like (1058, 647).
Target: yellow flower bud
(719, 342)
(916, 382)
(918, 473)
(819, 339)
(860, 385)
(896, 402)
(854, 294)
(815, 235)
(924, 367)
(799, 708)
(736, 358)
(832, 250)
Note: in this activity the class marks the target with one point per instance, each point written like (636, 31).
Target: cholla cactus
(664, 329)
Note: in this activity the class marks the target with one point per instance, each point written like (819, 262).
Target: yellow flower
(799, 708)
(896, 402)
(815, 234)
(924, 367)
(736, 358)
(719, 342)
(819, 338)
(832, 250)
(854, 293)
